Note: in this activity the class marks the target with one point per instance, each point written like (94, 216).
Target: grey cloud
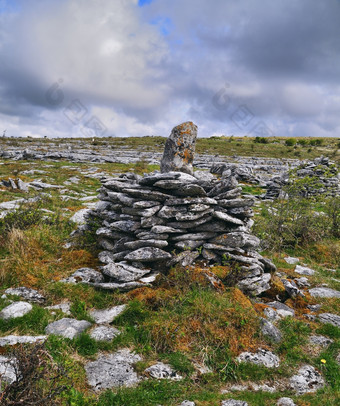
(279, 58)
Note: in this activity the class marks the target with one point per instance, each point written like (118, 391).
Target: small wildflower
(323, 361)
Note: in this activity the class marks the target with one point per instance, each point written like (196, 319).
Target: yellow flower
(323, 361)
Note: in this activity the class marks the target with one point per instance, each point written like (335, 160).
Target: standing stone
(180, 148)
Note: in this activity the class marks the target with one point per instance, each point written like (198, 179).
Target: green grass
(32, 323)
(181, 321)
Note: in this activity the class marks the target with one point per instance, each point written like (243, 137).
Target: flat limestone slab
(67, 328)
(13, 340)
(113, 370)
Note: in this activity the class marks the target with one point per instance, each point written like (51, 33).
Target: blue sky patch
(164, 24)
(142, 3)
(8, 6)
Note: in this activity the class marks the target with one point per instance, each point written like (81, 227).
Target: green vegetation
(182, 320)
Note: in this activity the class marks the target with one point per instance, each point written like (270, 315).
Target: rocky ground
(189, 336)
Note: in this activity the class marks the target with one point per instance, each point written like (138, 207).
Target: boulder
(67, 328)
(179, 149)
(308, 379)
(31, 295)
(261, 357)
(324, 292)
(107, 315)
(330, 318)
(104, 333)
(113, 370)
(268, 329)
(162, 371)
(15, 310)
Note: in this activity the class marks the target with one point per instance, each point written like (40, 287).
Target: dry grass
(34, 258)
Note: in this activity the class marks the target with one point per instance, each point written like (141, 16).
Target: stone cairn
(152, 222)
(324, 172)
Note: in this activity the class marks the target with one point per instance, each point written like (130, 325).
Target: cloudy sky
(132, 68)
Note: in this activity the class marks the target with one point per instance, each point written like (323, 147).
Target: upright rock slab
(180, 149)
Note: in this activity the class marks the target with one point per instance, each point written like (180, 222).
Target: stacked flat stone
(176, 216)
(325, 172)
(151, 223)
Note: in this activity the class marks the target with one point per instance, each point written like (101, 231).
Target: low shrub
(37, 378)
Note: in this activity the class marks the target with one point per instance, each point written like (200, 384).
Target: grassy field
(274, 147)
(181, 320)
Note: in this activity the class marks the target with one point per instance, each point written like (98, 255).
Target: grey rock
(271, 314)
(107, 315)
(233, 402)
(324, 292)
(42, 185)
(31, 295)
(282, 309)
(104, 333)
(198, 208)
(148, 254)
(322, 341)
(106, 257)
(236, 203)
(64, 307)
(148, 222)
(184, 258)
(151, 179)
(330, 318)
(126, 226)
(84, 275)
(269, 330)
(308, 379)
(152, 236)
(292, 260)
(113, 370)
(167, 212)
(144, 204)
(191, 216)
(302, 282)
(255, 285)
(162, 371)
(190, 200)
(14, 340)
(133, 245)
(67, 328)
(190, 190)
(304, 270)
(226, 217)
(8, 369)
(179, 149)
(314, 308)
(261, 357)
(237, 240)
(291, 288)
(189, 244)
(190, 224)
(15, 310)
(23, 185)
(268, 264)
(123, 272)
(164, 230)
(187, 403)
(147, 194)
(81, 216)
(122, 287)
(149, 212)
(173, 184)
(194, 236)
(285, 402)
